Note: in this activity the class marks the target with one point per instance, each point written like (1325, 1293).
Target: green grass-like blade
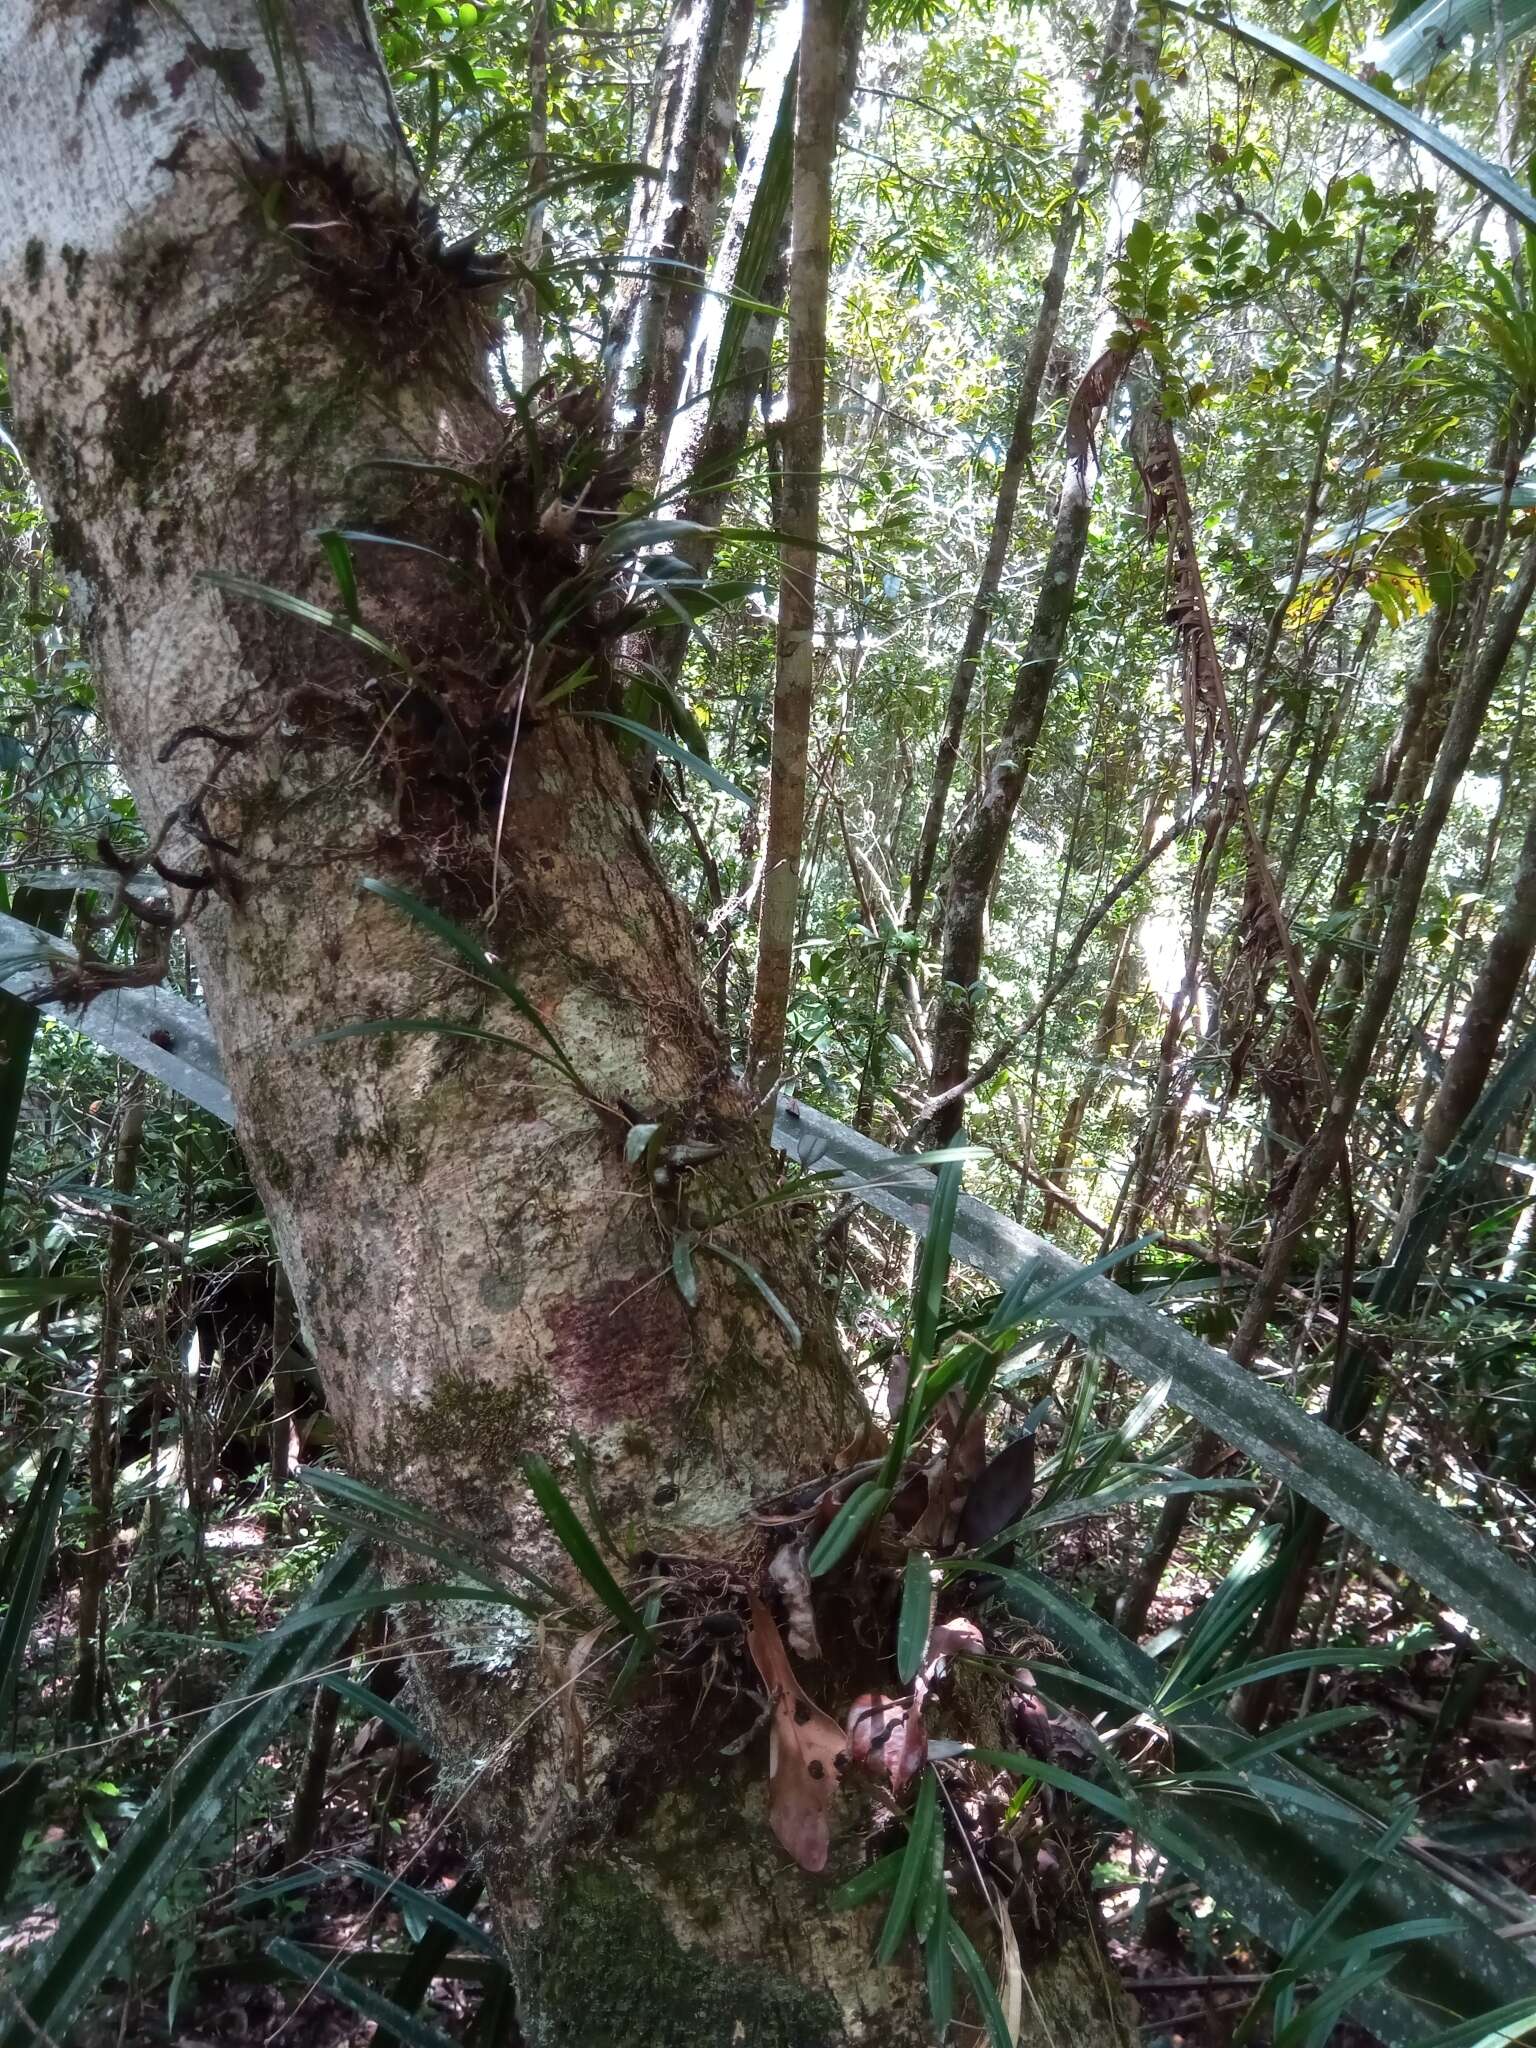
(1477, 170)
(582, 1551)
(470, 950)
(755, 1279)
(311, 614)
(398, 1893)
(915, 1862)
(426, 1592)
(140, 1869)
(933, 1269)
(366, 2003)
(916, 1615)
(847, 1525)
(21, 1568)
(939, 1969)
(982, 1988)
(365, 1508)
(674, 750)
(872, 1882)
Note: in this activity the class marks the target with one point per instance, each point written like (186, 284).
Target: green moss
(33, 262)
(74, 269)
(467, 1422)
(606, 1968)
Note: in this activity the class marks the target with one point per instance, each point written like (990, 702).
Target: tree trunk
(530, 315)
(978, 853)
(816, 127)
(1020, 448)
(672, 217)
(1065, 1153)
(1487, 1012)
(205, 344)
(308, 1807)
(1320, 1158)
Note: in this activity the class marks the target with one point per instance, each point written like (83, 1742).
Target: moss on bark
(604, 1966)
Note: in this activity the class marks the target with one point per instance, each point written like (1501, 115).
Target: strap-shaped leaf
(141, 1867)
(1444, 148)
(1274, 1848)
(21, 1566)
(1446, 1554)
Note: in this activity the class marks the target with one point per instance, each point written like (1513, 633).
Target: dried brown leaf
(807, 1751)
(786, 1568)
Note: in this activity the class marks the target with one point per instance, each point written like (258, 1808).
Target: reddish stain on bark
(620, 1352)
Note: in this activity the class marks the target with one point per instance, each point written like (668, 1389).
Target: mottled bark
(480, 1272)
(799, 515)
(672, 216)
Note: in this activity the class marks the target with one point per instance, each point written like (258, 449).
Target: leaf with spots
(807, 1752)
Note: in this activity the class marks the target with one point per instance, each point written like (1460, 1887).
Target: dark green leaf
(916, 1618)
(368, 2004)
(581, 1550)
(193, 1794)
(862, 1507)
(916, 1860)
(674, 751)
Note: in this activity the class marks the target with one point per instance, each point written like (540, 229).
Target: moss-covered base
(605, 1967)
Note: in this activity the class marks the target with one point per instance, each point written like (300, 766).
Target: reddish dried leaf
(807, 1751)
(873, 1719)
(1090, 398)
(887, 1737)
(957, 1638)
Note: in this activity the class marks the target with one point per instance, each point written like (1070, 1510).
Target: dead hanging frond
(1263, 935)
(1168, 508)
(1095, 389)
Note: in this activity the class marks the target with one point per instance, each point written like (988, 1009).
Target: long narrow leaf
(674, 750)
(405, 1523)
(933, 1268)
(1477, 170)
(750, 1274)
(365, 2002)
(915, 1861)
(470, 950)
(916, 1615)
(426, 1592)
(311, 614)
(581, 1550)
(861, 1507)
(1395, 1520)
(982, 1987)
(430, 1953)
(106, 1913)
(400, 1894)
(21, 1569)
